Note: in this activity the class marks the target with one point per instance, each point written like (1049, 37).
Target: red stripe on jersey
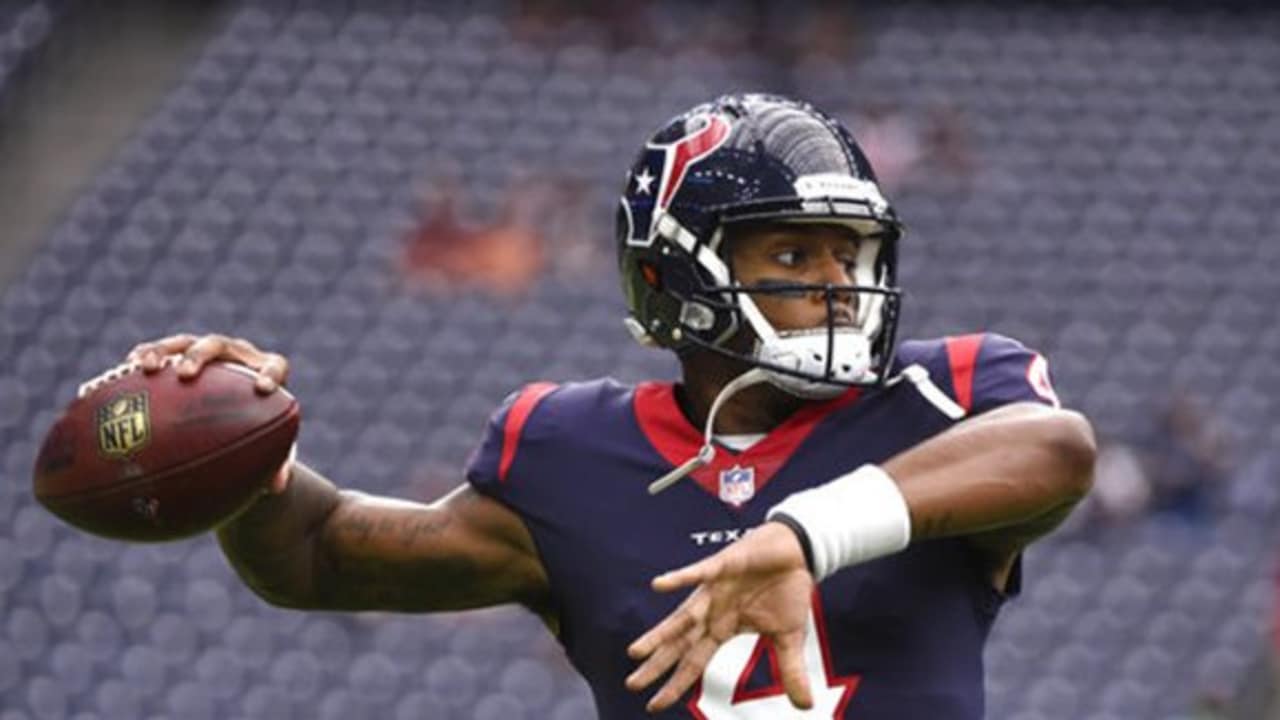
(741, 694)
(962, 356)
(850, 682)
(516, 418)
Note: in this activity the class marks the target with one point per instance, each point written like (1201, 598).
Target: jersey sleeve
(490, 466)
(989, 370)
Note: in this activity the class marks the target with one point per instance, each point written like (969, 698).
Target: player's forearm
(273, 546)
(1013, 469)
(381, 553)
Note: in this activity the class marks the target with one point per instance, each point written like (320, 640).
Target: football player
(850, 512)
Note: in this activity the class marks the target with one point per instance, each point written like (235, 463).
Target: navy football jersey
(897, 637)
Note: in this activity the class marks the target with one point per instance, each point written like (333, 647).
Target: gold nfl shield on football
(124, 425)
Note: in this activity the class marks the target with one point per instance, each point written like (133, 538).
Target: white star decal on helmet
(643, 182)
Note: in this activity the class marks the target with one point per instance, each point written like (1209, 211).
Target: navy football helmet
(743, 159)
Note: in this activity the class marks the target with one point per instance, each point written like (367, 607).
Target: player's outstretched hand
(196, 351)
(758, 584)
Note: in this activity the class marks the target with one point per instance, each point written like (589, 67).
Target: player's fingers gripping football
(197, 351)
(203, 351)
(150, 355)
(273, 372)
(280, 481)
(272, 368)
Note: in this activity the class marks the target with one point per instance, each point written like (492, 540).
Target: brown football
(151, 457)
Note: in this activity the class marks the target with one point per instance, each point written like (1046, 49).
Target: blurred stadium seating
(25, 27)
(1119, 214)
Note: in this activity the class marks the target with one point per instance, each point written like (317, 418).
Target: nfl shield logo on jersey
(737, 484)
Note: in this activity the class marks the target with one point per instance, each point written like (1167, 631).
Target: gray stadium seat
(220, 673)
(33, 532)
(11, 566)
(46, 698)
(329, 641)
(190, 700)
(498, 706)
(452, 681)
(414, 705)
(337, 705)
(134, 602)
(264, 702)
(144, 668)
(530, 681)
(10, 667)
(251, 644)
(208, 605)
(28, 633)
(175, 638)
(374, 679)
(60, 600)
(115, 698)
(298, 673)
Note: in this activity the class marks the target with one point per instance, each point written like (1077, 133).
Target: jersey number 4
(725, 691)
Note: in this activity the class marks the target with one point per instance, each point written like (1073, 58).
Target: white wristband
(855, 518)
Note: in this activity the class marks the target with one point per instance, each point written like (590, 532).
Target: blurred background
(413, 201)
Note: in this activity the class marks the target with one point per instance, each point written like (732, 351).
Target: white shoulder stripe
(919, 377)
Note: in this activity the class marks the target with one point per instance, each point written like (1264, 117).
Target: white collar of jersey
(738, 442)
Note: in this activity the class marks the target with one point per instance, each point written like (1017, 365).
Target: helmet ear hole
(650, 274)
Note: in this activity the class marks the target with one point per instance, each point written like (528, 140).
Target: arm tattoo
(358, 526)
(386, 558)
(361, 527)
(413, 529)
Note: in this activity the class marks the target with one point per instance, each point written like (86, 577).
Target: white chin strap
(707, 453)
(806, 352)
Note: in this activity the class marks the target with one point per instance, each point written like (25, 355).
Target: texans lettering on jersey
(898, 637)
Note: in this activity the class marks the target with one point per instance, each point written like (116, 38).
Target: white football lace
(117, 372)
(708, 451)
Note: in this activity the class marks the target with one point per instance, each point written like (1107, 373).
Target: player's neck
(757, 409)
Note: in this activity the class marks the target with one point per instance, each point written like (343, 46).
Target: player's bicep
(463, 551)
(1071, 443)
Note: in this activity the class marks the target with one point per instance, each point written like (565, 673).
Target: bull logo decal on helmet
(669, 163)
(688, 150)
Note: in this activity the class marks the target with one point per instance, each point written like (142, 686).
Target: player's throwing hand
(758, 584)
(196, 351)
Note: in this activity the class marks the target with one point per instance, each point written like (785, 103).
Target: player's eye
(790, 257)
